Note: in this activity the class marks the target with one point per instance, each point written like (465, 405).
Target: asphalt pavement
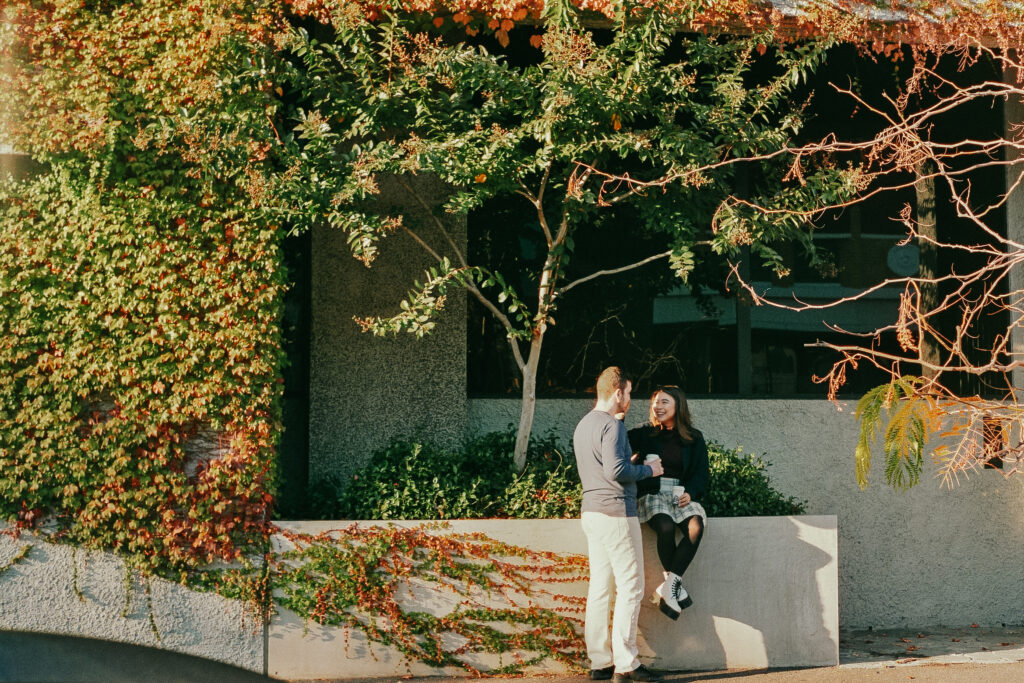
(949, 655)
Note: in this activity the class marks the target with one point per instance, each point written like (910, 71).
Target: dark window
(705, 339)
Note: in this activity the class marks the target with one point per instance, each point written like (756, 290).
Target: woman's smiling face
(664, 409)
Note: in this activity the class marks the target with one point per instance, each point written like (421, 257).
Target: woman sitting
(684, 455)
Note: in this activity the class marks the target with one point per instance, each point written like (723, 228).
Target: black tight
(676, 558)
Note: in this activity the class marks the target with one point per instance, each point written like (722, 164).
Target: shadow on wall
(765, 595)
(46, 657)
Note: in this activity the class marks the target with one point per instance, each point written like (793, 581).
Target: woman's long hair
(683, 423)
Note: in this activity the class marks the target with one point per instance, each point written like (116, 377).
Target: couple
(611, 515)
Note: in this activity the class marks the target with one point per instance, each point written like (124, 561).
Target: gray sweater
(602, 458)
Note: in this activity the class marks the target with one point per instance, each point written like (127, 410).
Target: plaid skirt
(661, 503)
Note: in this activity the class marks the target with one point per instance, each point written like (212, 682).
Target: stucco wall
(733, 623)
(37, 594)
(925, 557)
(1013, 113)
(364, 390)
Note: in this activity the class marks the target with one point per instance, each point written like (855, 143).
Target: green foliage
(543, 125)
(740, 487)
(131, 327)
(140, 272)
(904, 419)
(411, 480)
(140, 281)
(676, 138)
(417, 480)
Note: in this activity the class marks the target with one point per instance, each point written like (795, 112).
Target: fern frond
(908, 420)
(905, 439)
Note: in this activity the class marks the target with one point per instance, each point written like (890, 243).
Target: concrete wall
(364, 390)
(764, 590)
(925, 557)
(1013, 115)
(765, 595)
(37, 594)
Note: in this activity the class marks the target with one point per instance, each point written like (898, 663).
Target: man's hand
(657, 469)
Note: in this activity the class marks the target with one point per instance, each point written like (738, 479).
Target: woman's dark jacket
(687, 462)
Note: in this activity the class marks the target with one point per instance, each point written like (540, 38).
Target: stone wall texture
(929, 556)
(365, 390)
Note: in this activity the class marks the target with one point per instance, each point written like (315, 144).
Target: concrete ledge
(37, 594)
(765, 592)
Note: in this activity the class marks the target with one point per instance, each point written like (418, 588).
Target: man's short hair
(609, 381)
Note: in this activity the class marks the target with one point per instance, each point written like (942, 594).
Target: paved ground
(965, 655)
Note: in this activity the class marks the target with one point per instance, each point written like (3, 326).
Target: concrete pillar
(366, 390)
(1013, 118)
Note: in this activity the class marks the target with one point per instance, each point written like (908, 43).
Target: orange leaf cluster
(928, 23)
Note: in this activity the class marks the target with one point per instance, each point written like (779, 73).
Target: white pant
(616, 557)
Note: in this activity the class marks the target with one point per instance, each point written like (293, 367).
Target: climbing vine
(140, 281)
(508, 600)
(18, 557)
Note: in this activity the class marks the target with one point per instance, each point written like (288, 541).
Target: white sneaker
(665, 596)
(683, 598)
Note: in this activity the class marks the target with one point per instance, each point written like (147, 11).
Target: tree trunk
(529, 400)
(545, 299)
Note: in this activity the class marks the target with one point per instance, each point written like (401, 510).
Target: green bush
(414, 480)
(740, 487)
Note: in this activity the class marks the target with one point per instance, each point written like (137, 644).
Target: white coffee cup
(651, 457)
(677, 493)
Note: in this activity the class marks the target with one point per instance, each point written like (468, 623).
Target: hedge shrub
(740, 486)
(417, 480)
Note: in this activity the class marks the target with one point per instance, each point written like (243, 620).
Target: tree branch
(613, 271)
(469, 284)
(437, 221)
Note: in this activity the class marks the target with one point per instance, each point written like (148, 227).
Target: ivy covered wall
(140, 278)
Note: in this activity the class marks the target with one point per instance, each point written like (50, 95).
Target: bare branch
(437, 222)
(613, 271)
(422, 243)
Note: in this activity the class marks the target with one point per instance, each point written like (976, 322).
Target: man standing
(613, 532)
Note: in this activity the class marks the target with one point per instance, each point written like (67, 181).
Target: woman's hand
(684, 500)
(635, 459)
